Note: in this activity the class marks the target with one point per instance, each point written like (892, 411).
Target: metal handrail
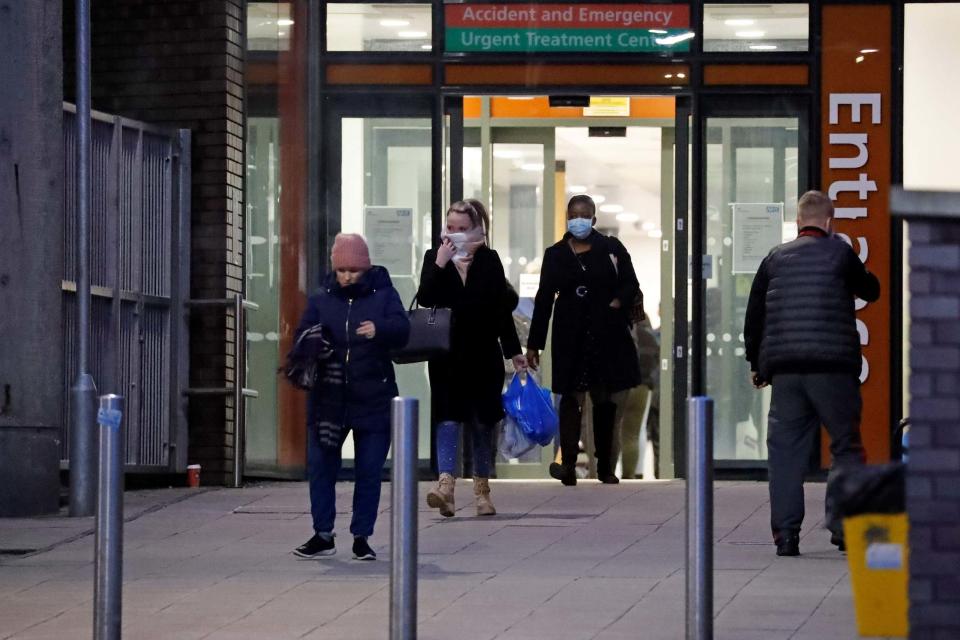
(239, 392)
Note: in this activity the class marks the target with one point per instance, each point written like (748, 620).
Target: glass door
(755, 172)
(379, 183)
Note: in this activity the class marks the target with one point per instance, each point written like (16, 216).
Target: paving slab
(588, 562)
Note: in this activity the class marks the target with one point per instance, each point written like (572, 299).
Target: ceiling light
(532, 166)
(750, 34)
(520, 97)
(426, 47)
(611, 208)
(763, 47)
(681, 75)
(412, 34)
(507, 154)
(655, 233)
(859, 59)
(672, 40)
(668, 76)
(647, 226)
(628, 217)
(577, 188)
(284, 22)
(869, 50)
(392, 22)
(281, 33)
(658, 31)
(739, 22)
(598, 199)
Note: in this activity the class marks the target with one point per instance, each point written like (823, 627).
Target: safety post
(404, 416)
(108, 569)
(700, 518)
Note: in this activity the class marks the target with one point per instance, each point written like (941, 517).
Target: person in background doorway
(366, 320)
(466, 276)
(801, 337)
(637, 405)
(589, 279)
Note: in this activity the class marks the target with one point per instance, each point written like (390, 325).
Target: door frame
(739, 105)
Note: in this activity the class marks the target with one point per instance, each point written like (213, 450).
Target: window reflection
(379, 27)
(756, 27)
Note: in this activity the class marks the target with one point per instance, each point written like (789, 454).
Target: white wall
(931, 117)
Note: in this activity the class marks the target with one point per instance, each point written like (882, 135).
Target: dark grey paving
(603, 562)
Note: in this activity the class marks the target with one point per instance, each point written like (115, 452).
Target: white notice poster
(757, 228)
(389, 233)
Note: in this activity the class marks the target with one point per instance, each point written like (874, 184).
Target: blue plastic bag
(532, 409)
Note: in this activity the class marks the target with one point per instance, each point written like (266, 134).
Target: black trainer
(316, 547)
(609, 479)
(838, 541)
(362, 550)
(564, 475)
(788, 543)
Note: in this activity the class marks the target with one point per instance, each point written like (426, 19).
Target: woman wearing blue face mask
(587, 280)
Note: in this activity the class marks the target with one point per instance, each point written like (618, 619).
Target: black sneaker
(838, 541)
(609, 479)
(316, 547)
(563, 474)
(362, 550)
(788, 543)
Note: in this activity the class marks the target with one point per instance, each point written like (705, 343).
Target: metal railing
(139, 243)
(238, 390)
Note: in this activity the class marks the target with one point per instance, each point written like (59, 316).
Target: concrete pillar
(31, 255)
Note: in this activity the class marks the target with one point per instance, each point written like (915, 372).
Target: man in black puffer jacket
(801, 336)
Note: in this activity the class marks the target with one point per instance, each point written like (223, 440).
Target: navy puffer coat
(358, 383)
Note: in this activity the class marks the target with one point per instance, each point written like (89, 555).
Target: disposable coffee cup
(193, 475)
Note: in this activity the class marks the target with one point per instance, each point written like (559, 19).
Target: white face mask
(458, 239)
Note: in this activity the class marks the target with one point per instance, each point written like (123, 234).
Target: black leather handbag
(429, 335)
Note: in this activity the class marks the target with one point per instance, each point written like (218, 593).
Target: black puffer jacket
(800, 316)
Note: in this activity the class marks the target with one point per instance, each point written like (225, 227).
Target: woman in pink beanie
(365, 318)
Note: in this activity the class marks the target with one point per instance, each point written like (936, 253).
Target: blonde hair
(814, 206)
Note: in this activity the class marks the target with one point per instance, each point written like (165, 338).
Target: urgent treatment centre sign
(616, 28)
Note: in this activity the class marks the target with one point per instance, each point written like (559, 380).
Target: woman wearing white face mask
(589, 279)
(465, 275)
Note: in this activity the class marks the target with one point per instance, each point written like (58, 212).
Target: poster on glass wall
(757, 228)
(389, 232)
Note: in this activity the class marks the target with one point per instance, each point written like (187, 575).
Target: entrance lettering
(863, 186)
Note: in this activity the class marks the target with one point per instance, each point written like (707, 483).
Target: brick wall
(180, 63)
(933, 471)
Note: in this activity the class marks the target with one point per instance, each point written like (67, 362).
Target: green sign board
(504, 28)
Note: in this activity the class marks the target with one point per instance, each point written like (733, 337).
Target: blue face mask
(580, 227)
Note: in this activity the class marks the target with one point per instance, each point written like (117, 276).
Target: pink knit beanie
(350, 252)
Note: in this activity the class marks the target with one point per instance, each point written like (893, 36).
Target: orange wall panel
(566, 75)
(856, 98)
(756, 74)
(392, 74)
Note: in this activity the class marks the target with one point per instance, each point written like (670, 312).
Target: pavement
(592, 562)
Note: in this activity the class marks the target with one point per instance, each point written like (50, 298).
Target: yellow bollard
(877, 551)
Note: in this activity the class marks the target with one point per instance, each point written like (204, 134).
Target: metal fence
(139, 276)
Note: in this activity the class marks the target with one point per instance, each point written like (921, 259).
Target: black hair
(582, 199)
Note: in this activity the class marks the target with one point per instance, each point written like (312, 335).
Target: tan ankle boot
(441, 496)
(481, 489)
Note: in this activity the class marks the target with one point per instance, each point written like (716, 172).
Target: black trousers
(604, 414)
(801, 403)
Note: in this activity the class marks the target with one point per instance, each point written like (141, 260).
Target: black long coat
(579, 290)
(468, 381)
